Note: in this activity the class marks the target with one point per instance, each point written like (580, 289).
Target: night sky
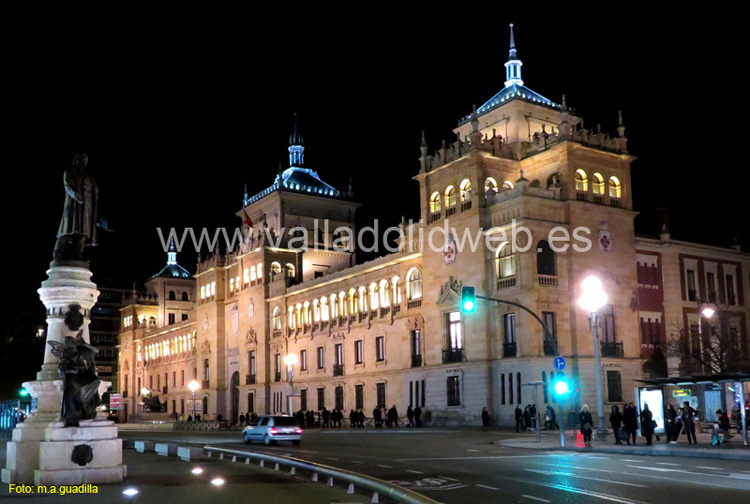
(177, 117)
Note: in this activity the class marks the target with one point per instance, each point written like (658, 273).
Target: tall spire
(296, 150)
(513, 65)
(172, 254)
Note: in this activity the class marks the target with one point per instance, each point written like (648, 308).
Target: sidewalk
(574, 442)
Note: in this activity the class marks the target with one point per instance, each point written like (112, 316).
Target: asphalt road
(460, 466)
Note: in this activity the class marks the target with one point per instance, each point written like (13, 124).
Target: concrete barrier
(144, 446)
(166, 449)
(188, 453)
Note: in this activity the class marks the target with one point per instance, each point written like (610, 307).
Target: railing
(509, 349)
(614, 202)
(338, 370)
(505, 283)
(413, 303)
(453, 355)
(276, 333)
(580, 196)
(465, 205)
(277, 376)
(375, 485)
(550, 348)
(434, 216)
(385, 311)
(450, 211)
(204, 384)
(612, 349)
(416, 360)
(548, 280)
(250, 379)
(598, 199)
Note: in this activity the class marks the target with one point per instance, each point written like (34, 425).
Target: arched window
(246, 276)
(363, 298)
(290, 270)
(298, 313)
(306, 306)
(292, 320)
(259, 273)
(545, 259)
(231, 285)
(374, 296)
(385, 293)
(490, 187)
(508, 185)
(185, 296)
(213, 288)
(253, 274)
(316, 310)
(275, 268)
(324, 308)
(506, 261)
(342, 304)
(203, 292)
(554, 180)
(435, 204)
(172, 296)
(450, 196)
(276, 319)
(396, 290)
(414, 284)
(597, 184)
(352, 301)
(582, 182)
(615, 189)
(334, 306)
(465, 190)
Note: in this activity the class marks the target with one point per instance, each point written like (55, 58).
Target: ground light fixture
(218, 481)
(197, 470)
(130, 492)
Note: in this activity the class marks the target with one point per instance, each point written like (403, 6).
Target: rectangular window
(151, 382)
(277, 366)
(453, 386)
(339, 398)
(358, 352)
(730, 290)
(453, 321)
(380, 348)
(359, 397)
(303, 399)
(171, 318)
(423, 393)
(184, 317)
(174, 378)
(550, 320)
(416, 342)
(509, 322)
(692, 296)
(206, 373)
(250, 402)
(182, 407)
(303, 361)
(251, 362)
(158, 382)
(321, 398)
(380, 394)
(339, 355)
(138, 390)
(607, 325)
(510, 387)
(502, 388)
(321, 360)
(614, 386)
(711, 287)
(182, 377)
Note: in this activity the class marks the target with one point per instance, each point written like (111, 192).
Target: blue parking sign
(559, 363)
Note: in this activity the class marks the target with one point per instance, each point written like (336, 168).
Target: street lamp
(592, 300)
(704, 310)
(290, 360)
(193, 386)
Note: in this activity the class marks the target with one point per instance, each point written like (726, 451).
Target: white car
(271, 429)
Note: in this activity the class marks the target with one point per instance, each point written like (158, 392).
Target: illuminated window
(334, 306)
(435, 205)
(298, 313)
(414, 284)
(362, 298)
(231, 285)
(455, 333)
(292, 320)
(306, 305)
(259, 272)
(276, 318)
(615, 189)
(353, 301)
(582, 182)
(450, 196)
(506, 262)
(316, 311)
(342, 303)
(253, 275)
(290, 270)
(275, 268)
(213, 288)
(508, 185)
(324, 308)
(203, 292)
(597, 184)
(374, 296)
(237, 282)
(490, 187)
(246, 276)
(384, 293)
(396, 290)
(465, 190)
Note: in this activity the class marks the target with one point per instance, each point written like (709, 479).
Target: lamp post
(290, 360)
(193, 386)
(144, 392)
(592, 300)
(704, 310)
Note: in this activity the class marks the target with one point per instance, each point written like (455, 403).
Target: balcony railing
(413, 303)
(465, 205)
(338, 370)
(434, 216)
(505, 283)
(204, 384)
(598, 199)
(450, 211)
(250, 379)
(453, 355)
(580, 196)
(509, 349)
(416, 361)
(612, 349)
(550, 348)
(615, 203)
(277, 376)
(276, 333)
(548, 280)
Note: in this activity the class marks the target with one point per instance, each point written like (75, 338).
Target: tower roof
(172, 269)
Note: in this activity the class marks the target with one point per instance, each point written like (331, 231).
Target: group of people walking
(625, 424)
(326, 419)
(526, 419)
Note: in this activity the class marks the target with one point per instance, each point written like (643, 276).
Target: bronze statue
(80, 213)
(81, 383)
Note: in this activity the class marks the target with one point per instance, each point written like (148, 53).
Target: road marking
(331, 458)
(489, 487)
(356, 462)
(387, 467)
(414, 472)
(475, 451)
(489, 457)
(560, 473)
(535, 498)
(596, 457)
(576, 490)
(447, 478)
(667, 464)
(631, 460)
(709, 467)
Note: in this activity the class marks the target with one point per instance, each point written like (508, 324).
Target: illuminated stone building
(390, 331)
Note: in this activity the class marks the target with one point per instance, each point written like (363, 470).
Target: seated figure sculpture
(81, 383)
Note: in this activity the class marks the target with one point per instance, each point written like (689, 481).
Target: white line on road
(667, 464)
(631, 460)
(331, 458)
(414, 472)
(447, 478)
(560, 473)
(489, 487)
(535, 498)
(581, 491)
(709, 467)
(474, 458)
(387, 467)
(597, 457)
(475, 451)
(356, 462)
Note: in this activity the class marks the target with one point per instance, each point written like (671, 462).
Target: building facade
(549, 203)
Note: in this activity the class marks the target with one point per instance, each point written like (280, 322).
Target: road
(460, 466)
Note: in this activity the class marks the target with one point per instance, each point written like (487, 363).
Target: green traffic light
(561, 387)
(468, 303)
(23, 392)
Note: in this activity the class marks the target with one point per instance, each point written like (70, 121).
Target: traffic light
(23, 392)
(561, 388)
(468, 301)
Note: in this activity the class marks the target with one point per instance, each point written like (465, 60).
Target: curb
(636, 451)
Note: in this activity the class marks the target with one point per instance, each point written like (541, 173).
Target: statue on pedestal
(80, 213)
(80, 382)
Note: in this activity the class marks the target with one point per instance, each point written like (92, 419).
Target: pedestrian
(376, 418)
(550, 419)
(630, 420)
(647, 424)
(418, 416)
(326, 417)
(721, 428)
(669, 423)
(410, 416)
(615, 420)
(485, 418)
(242, 419)
(190, 418)
(534, 416)
(310, 419)
(361, 419)
(393, 416)
(526, 418)
(198, 417)
(587, 425)
(519, 419)
(688, 422)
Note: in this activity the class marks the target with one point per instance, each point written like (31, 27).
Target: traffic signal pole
(525, 308)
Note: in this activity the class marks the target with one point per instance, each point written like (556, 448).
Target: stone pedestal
(41, 449)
